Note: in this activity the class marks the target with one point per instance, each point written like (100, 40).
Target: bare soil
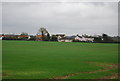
(105, 66)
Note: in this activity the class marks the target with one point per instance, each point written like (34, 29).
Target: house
(60, 36)
(76, 38)
(1, 37)
(84, 39)
(8, 37)
(66, 39)
(24, 37)
(39, 37)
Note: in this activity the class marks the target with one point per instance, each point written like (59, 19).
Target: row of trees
(106, 39)
(103, 38)
(15, 37)
(32, 38)
(46, 37)
(49, 38)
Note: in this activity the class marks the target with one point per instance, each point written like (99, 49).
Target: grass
(91, 76)
(43, 60)
(0, 60)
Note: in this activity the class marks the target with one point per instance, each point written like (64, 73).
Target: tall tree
(44, 33)
(48, 36)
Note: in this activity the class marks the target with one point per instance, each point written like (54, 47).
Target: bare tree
(45, 35)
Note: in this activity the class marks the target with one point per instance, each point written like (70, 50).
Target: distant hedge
(13, 38)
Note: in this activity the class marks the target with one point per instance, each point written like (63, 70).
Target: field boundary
(105, 66)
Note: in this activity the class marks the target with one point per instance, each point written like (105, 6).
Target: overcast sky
(70, 18)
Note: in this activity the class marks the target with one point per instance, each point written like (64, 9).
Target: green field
(58, 60)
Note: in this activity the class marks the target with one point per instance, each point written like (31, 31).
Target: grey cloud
(60, 0)
(0, 17)
(69, 18)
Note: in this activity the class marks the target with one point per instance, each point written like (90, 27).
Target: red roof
(0, 35)
(23, 36)
(7, 35)
(39, 36)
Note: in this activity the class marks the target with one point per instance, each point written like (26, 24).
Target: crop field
(59, 60)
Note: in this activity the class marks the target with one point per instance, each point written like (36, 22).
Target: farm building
(84, 39)
(9, 36)
(66, 39)
(24, 36)
(75, 38)
(39, 37)
(60, 36)
(1, 37)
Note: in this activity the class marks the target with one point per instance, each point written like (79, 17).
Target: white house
(66, 39)
(59, 36)
(76, 38)
(85, 39)
(1, 37)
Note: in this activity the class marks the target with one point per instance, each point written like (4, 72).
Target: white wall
(1, 38)
(64, 40)
(68, 40)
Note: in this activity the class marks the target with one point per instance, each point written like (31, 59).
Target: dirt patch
(106, 67)
(114, 76)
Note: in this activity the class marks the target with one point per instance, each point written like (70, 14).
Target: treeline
(32, 38)
(49, 38)
(28, 37)
(107, 39)
(104, 38)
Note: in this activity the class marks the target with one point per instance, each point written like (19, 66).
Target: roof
(8, 35)
(67, 38)
(62, 35)
(23, 36)
(39, 36)
(0, 35)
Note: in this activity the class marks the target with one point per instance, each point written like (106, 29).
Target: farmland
(59, 60)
